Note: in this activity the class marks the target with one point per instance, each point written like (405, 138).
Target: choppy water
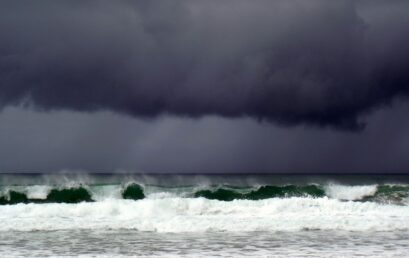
(219, 215)
(108, 243)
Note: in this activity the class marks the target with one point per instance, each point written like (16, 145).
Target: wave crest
(67, 195)
(75, 193)
(263, 192)
(133, 191)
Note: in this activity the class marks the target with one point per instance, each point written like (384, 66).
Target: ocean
(191, 215)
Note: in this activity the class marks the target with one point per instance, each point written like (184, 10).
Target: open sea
(223, 215)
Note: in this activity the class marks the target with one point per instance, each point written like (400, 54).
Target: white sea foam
(344, 192)
(37, 191)
(200, 215)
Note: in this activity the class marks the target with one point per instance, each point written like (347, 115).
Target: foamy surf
(203, 215)
(344, 192)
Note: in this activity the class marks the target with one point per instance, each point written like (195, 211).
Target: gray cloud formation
(318, 62)
(107, 142)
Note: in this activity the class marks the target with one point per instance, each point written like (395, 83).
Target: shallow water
(217, 244)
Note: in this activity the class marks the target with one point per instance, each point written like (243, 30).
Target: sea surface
(223, 215)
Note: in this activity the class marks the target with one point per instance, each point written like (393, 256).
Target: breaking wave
(263, 192)
(76, 193)
(203, 207)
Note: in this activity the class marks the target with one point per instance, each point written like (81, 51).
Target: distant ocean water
(203, 215)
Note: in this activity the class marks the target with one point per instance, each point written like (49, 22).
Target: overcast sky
(204, 86)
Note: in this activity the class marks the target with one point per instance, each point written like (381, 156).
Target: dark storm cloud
(107, 142)
(317, 62)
